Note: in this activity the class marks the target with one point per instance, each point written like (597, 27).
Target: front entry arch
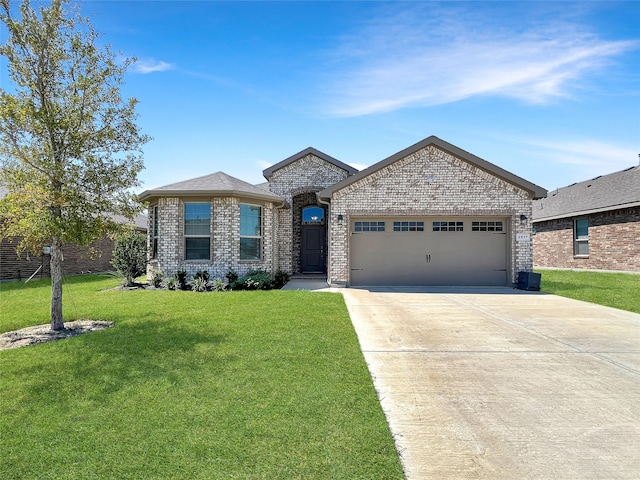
(313, 258)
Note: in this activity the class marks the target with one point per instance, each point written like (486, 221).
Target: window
(369, 227)
(448, 226)
(313, 216)
(197, 231)
(408, 226)
(581, 236)
(250, 232)
(154, 230)
(486, 226)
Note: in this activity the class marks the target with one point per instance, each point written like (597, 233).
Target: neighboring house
(590, 225)
(77, 260)
(431, 214)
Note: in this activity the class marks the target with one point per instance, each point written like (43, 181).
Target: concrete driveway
(503, 384)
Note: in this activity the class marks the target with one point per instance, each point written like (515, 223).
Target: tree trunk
(56, 285)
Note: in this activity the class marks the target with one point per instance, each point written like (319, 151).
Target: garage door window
(486, 227)
(448, 226)
(369, 227)
(408, 226)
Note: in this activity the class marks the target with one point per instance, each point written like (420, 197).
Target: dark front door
(314, 245)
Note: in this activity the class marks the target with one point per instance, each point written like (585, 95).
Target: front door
(314, 240)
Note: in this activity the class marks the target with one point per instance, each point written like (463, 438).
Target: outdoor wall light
(340, 219)
(523, 218)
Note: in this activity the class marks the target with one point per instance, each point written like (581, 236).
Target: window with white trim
(197, 231)
(250, 232)
(581, 237)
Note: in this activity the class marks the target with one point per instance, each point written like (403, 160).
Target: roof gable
(215, 184)
(607, 192)
(268, 172)
(535, 190)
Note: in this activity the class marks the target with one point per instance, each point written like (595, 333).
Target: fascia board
(580, 213)
(148, 195)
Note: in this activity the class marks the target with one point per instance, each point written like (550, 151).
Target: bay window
(250, 232)
(197, 231)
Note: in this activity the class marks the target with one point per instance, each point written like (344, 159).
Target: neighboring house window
(197, 231)
(581, 236)
(250, 232)
(154, 238)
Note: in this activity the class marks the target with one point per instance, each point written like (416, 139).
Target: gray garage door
(429, 251)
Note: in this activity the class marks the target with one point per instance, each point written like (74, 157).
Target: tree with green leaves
(70, 149)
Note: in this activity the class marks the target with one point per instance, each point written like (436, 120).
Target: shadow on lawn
(127, 356)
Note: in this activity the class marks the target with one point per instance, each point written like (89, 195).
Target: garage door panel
(429, 258)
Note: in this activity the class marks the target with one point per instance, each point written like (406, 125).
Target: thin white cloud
(151, 66)
(421, 56)
(592, 156)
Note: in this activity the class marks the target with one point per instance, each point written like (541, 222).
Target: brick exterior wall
(225, 238)
(298, 182)
(614, 242)
(401, 189)
(77, 260)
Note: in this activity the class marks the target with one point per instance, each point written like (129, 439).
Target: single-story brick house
(77, 260)
(590, 225)
(432, 214)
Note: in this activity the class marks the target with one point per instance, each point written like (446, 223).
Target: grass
(235, 385)
(618, 290)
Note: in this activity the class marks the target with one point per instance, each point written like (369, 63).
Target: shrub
(130, 257)
(280, 279)
(203, 274)
(218, 285)
(254, 280)
(232, 276)
(181, 278)
(156, 278)
(199, 284)
(171, 283)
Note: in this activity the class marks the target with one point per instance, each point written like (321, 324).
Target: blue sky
(547, 90)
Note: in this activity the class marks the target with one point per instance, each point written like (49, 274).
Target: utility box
(529, 281)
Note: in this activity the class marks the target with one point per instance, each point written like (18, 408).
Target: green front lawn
(618, 290)
(234, 385)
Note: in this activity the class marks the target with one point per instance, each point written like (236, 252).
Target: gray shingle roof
(607, 192)
(216, 184)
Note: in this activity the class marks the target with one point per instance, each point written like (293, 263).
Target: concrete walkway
(503, 384)
(314, 284)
